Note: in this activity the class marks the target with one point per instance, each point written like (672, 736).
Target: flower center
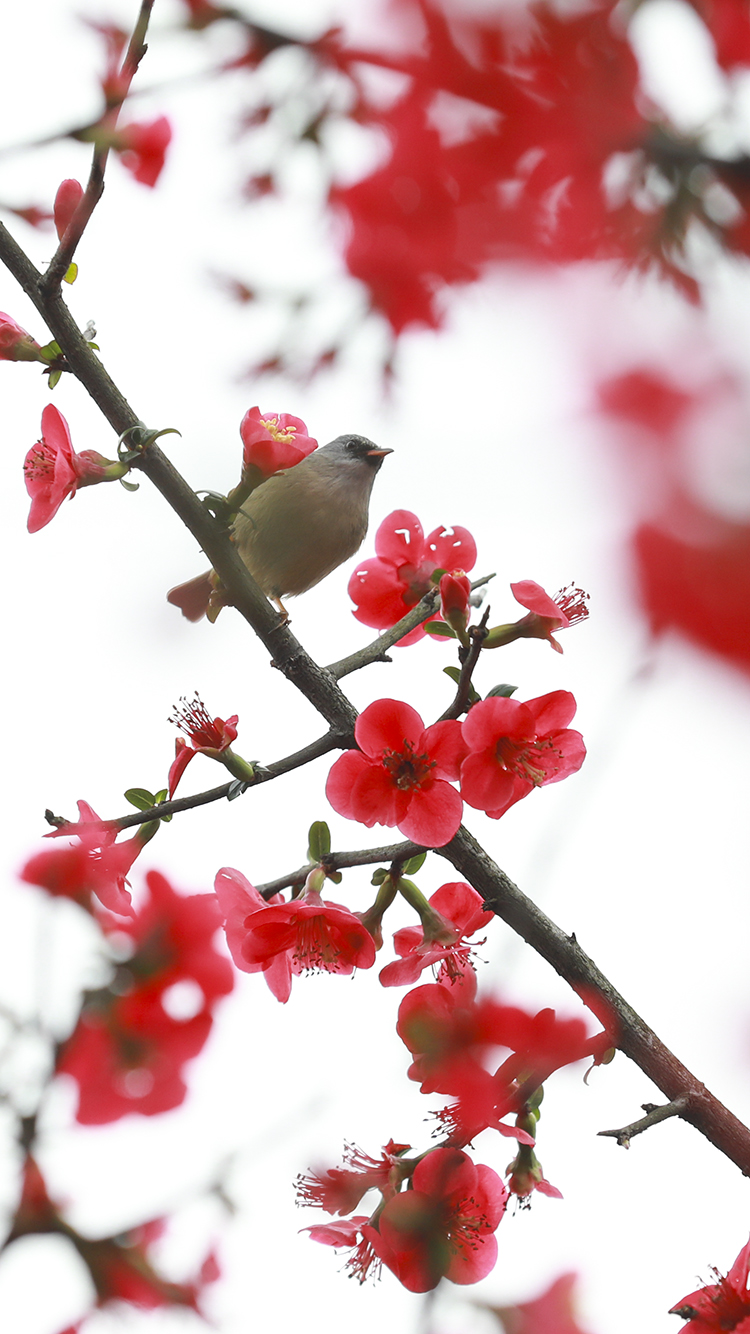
(465, 1226)
(315, 950)
(407, 769)
(193, 718)
(40, 462)
(572, 603)
(285, 434)
(528, 759)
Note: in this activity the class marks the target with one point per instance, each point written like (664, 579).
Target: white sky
(643, 854)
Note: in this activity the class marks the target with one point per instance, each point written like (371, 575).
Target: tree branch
(653, 1116)
(477, 634)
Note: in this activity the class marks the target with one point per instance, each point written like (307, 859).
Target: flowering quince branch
(653, 1116)
(477, 635)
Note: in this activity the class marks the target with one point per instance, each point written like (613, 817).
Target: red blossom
(130, 1045)
(68, 197)
(387, 585)
(553, 1312)
(441, 943)
(237, 900)
(15, 343)
(318, 936)
(515, 747)
(719, 1306)
(399, 774)
(143, 148)
(339, 1190)
(205, 736)
(443, 1227)
(95, 865)
(272, 442)
(363, 1262)
(52, 470)
(546, 614)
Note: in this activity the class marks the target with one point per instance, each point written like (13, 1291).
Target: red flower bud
(68, 197)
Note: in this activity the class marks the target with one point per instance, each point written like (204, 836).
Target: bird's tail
(193, 597)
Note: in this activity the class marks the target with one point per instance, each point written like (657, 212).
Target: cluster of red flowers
(402, 773)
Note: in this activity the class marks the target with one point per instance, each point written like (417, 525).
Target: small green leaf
(94, 347)
(414, 863)
(437, 575)
(53, 378)
(379, 876)
(236, 789)
(455, 675)
(71, 275)
(129, 486)
(335, 876)
(439, 628)
(141, 798)
(318, 841)
(503, 692)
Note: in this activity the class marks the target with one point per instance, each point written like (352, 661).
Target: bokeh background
(496, 423)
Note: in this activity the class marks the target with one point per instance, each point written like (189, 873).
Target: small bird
(298, 525)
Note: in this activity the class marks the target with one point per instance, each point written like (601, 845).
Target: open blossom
(719, 1306)
(15, 343)
(143, 148)
(338, 1190)
(52, 470)
(515, 747)
(387, 585)
(274, 441)
(280, 939)
(553, 1312)
(96, 864)
(399, 776)
(443, 1227)
(441, 941)
(362, 1262)
(546, 614)
(204, 735)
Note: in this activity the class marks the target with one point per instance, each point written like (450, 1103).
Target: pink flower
(443, 1226)
(339, 1190)
(546, 614)
(723, 1305)
(274, 442)
(349, 1232)
(237, 900)
(386, 586)
(515, 747)
(15, 343)
(68, 197)
(143, 149)
(52, 470)
(551, 1313)
(205, 736)
(398, 775)
(442, 942)
(95, 865)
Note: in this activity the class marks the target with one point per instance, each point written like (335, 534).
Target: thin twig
(653, 1116)
(477, 634)
(397, 853)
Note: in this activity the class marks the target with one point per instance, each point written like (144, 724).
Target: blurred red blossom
(143, 148)
(399, 775)
(723, 1305)
(95, 865)
(443, 1227)
(387, 585)
(272, 442)
(553, 1312)
(135, 1035)
(515, 747)
(441, 941)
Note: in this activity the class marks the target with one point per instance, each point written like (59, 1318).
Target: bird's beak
(378, 453)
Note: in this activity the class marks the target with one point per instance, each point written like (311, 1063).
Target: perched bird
(298, 525)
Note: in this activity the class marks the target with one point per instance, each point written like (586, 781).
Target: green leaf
(439, 628)
(379, 876)
(504, 692)
(53, 378)
(71, 275)
(129, 486)
(236, 789)
(414, 863)
(437, 575)
(455, 675)
(141, 798)
(335, 876)
(94, 347)
(318, 841)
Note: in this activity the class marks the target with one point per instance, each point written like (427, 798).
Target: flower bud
(455, 589)
(68, 197)
(15, 343)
